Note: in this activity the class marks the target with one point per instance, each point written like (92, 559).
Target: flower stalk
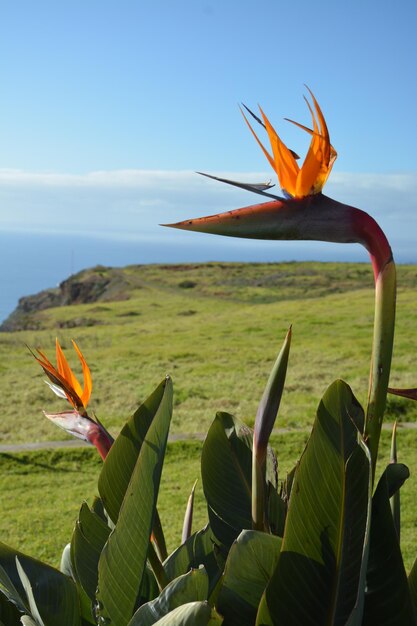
(264, 423)
(383, 339)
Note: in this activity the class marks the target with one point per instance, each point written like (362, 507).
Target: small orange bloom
(64, 381)
(310, 178)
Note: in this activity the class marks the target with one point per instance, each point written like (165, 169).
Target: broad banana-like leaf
(121, 459)
(86, 604)
(318, 573)
(226, 470)
(197, 550)
(123, 559)
(287, 485)
(277, 511)
(80, 558)
(189, 587)
(387, 599)
(88, 540)
(249, 566)
(55, 594)
(191, 614)
(98, 508)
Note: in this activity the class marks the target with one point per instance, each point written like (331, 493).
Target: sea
(30, 262)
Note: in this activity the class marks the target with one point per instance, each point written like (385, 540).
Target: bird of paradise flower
(65, 385)
(305, 213)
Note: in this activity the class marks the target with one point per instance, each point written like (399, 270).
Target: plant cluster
(319, 546)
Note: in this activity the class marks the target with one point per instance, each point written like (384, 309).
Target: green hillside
(216, 329)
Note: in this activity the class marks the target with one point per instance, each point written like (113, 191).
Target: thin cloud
(127, 204)
(134, 178)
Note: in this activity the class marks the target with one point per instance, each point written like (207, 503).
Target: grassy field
(42, 492)
(216, 328)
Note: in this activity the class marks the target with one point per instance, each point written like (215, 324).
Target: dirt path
(78, 443)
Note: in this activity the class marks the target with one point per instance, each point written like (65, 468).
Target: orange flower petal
(65, 370)
(313, 162)
(57, 379)
(311, 176)
(322, 122)
(266, 153)
(285, 164)
(88, 381)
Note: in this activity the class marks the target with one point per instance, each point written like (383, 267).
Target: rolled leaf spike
(264, 423)
(188, 517)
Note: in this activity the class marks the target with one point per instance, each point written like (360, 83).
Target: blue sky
(108, 107)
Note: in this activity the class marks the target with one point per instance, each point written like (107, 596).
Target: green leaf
(249, 566)
(98, 508)
(123, 559)
(27, 586)
(197, 550)
(277, 511)
(191, 614)
(67, 568)
(88, 540)
(318, 574)
(226, 468)
(189, 587)
(149, 588)
(387, 599)
(121, 460)
(55, 594)
(355, 618)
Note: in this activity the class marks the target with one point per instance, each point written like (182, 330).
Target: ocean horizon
(31, 262)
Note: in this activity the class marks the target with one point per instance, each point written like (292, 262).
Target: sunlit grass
(42, 491)
(217, 340)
